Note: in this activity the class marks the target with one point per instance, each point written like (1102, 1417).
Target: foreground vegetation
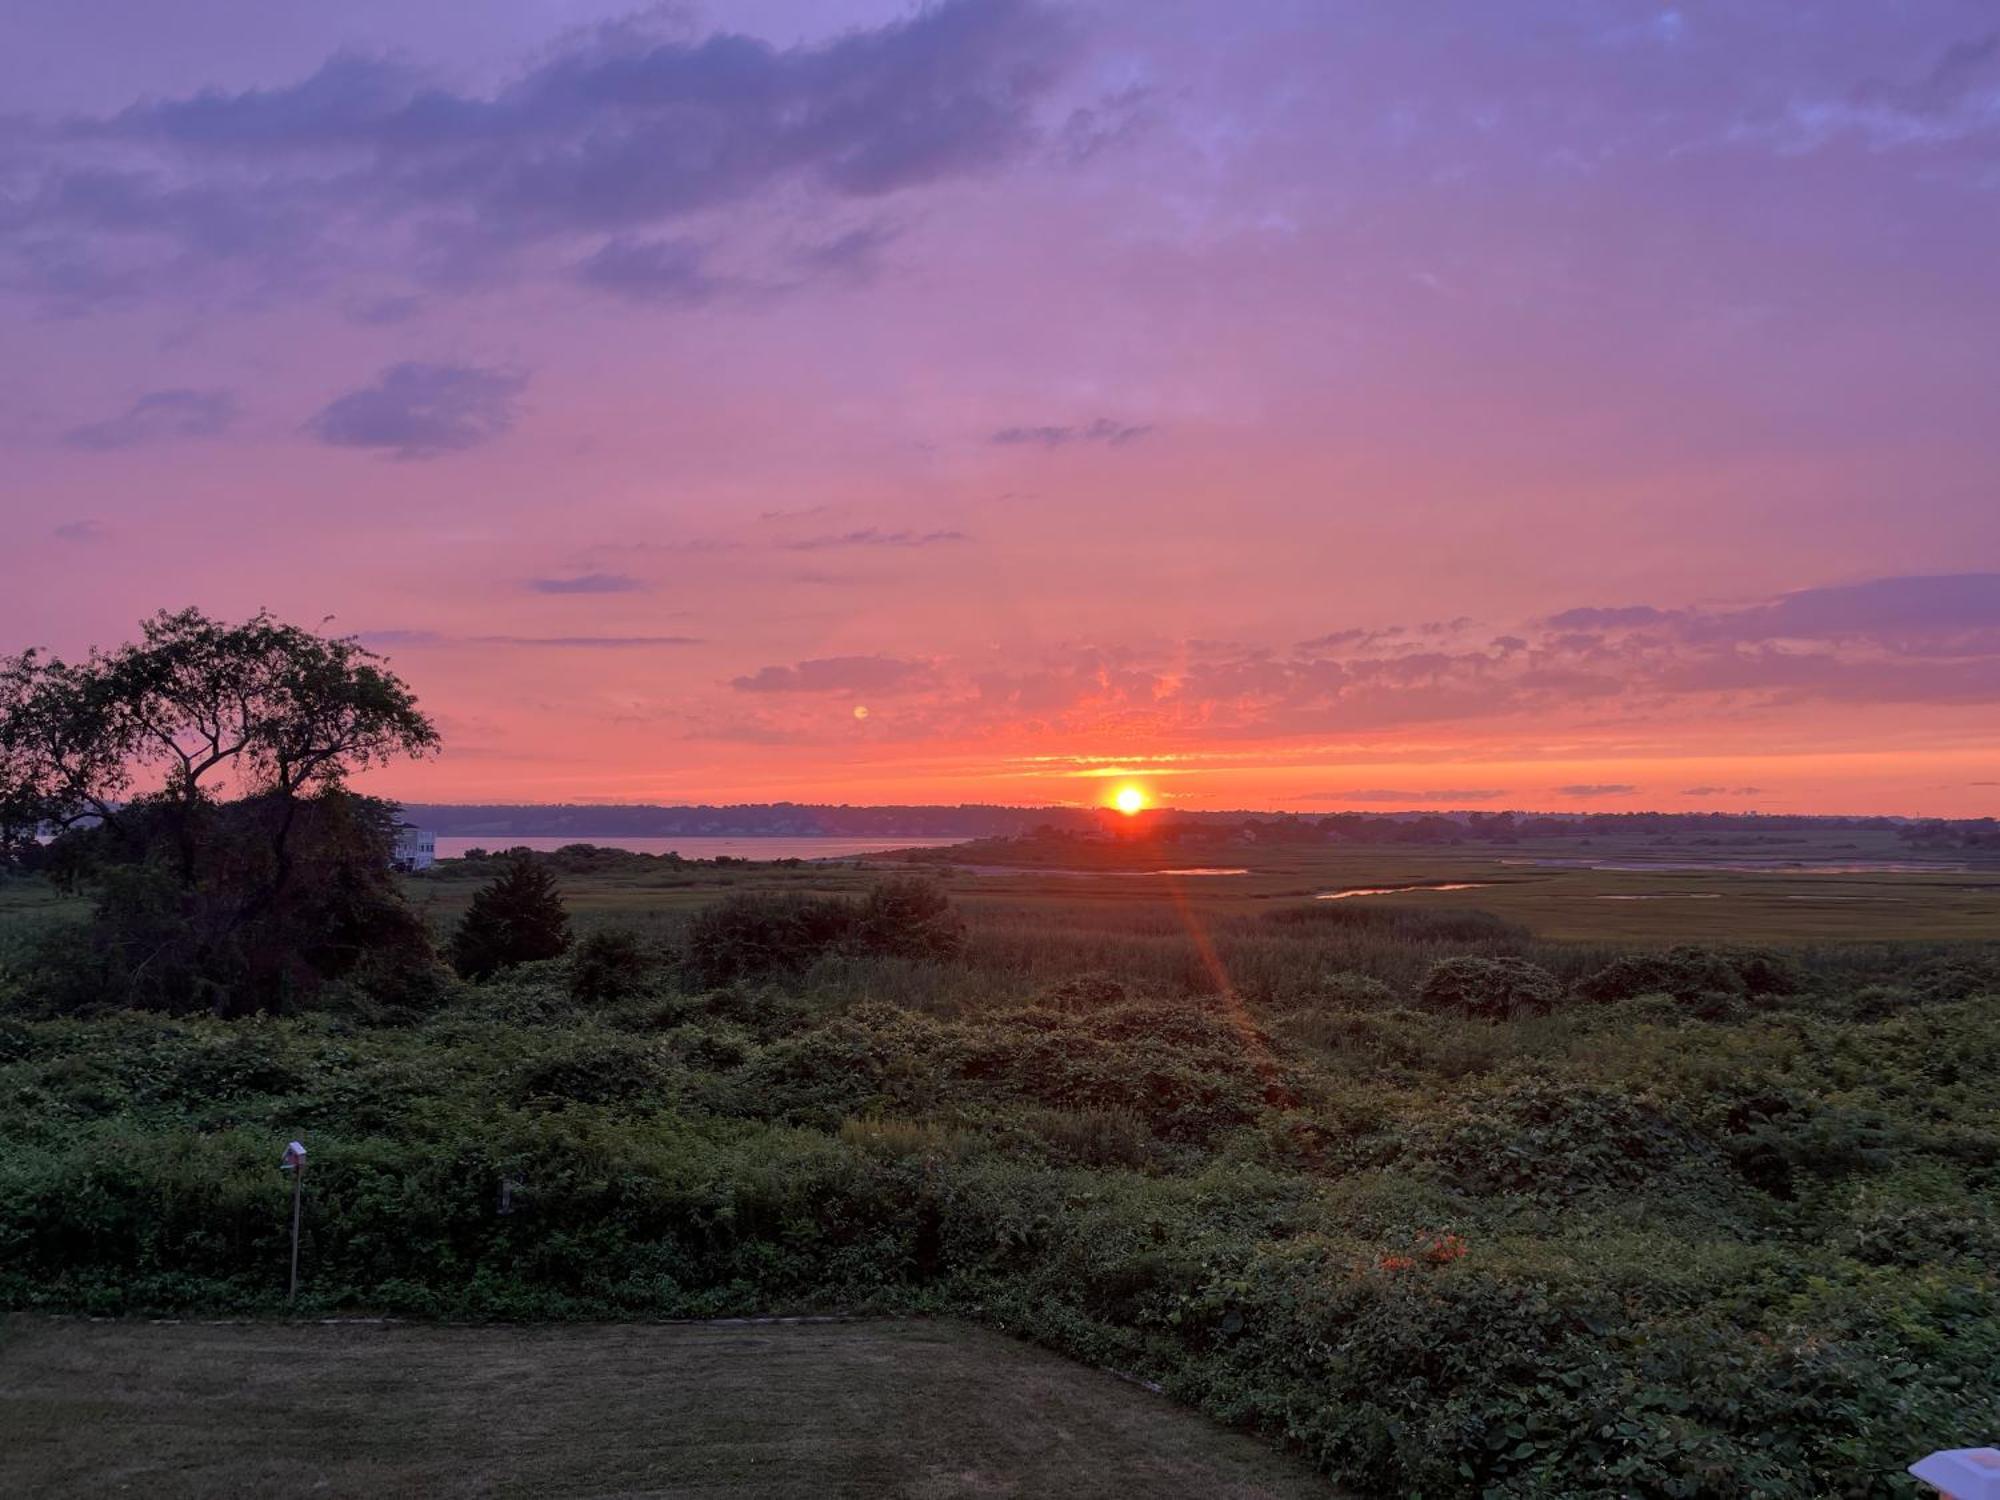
(1447, 1209)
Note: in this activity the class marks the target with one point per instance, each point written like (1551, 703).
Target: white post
(295, 1163)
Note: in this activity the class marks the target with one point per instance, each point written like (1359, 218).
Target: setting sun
(1129, 800)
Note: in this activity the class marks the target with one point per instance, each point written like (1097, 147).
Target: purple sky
(1301, 404)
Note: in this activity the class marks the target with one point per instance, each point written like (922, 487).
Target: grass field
(924, 1410)
(1001, 885)
(1544, 885)
(1547, 886)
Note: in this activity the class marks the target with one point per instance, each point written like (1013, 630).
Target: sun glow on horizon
(1129, 799)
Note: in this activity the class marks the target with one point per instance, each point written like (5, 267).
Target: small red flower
(1443, 1249)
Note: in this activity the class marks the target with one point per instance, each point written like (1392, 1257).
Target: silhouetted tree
(516, 919)
(285, 712)
(229, 905)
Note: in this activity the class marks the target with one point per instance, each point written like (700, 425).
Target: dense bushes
(752, 935)
(1188, 1073)
(908, 918)
(1705, 979)
(1559, 1278)
(1490, 989)
(747, 936)
(1543, 1138)
(609, 964)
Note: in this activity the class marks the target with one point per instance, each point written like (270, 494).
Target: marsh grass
(1110, 1137)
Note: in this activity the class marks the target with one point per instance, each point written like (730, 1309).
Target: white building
(416, 848)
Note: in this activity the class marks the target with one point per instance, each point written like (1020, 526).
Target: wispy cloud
(158, 416)
(1430, 797)
(1595, 789)
(871, 536)
(392, 639)
(587, 583)
(416, 410)
(837, 674)
(657, 270)
(1621, 618)
(590, 642)
(1103, 430)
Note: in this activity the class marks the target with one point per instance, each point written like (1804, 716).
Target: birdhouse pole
(295, 1163)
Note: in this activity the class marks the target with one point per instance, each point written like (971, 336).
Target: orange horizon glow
(1933, 770)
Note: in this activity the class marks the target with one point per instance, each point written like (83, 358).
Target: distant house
(416, 848)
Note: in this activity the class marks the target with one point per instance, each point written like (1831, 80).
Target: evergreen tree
(516, 919)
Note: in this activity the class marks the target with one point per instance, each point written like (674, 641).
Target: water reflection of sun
(1129, 799)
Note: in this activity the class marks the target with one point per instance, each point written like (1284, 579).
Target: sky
(1565, 404)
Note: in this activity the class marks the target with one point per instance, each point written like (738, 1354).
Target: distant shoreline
(583, 822)
(759, 847)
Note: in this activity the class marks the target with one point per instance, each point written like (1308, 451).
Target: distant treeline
(976, 821)
(1964, 833)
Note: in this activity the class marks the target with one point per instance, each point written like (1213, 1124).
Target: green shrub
(1957, 978)
(1545, 1137)
(594, 1070)
(900, 1137)
(1080, 994)
(1092, 1137)
(1188, 1072)
(609, 964)
(1707, 980)
(1786, 1136)
(909, 917)
(1348, 991)
(1878, 1002)
(711, 1048)
(874, 1058)
(753, 935)
(1489, 989)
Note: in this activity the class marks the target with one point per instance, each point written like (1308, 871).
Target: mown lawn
(878, 1409)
